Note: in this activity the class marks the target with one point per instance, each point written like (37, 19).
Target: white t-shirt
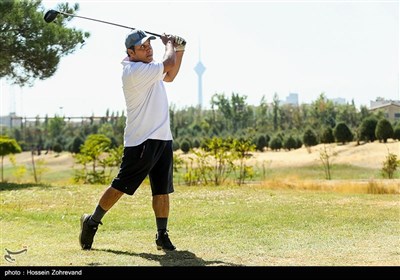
(146, 102)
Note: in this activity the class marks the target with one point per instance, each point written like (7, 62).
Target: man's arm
(179, 44)
(169, 59)
(171, 74)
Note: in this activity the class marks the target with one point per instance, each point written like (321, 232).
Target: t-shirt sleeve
(145, 74)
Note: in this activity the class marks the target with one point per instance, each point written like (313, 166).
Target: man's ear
(130, 52)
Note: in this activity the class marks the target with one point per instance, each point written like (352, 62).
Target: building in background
(292, 99)
(11, 120)
(391, 108)
(339, 101)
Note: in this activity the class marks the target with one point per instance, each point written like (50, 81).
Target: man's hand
(180, 44)
(167, 37)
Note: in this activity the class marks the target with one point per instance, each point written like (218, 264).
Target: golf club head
(50, 15)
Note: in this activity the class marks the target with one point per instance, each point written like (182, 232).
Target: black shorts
(153, 158)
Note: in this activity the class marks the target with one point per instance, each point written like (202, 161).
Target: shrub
(367, 129)
(290, 143)
(396, 132)
(185, 146)
(390, 165)
(342, 133)
(261, 143)
(299, 143)
(327, 136)
(57, 148)
(76, 145)
(175, 145)
(384, 130)
(196, 143)
(276, 143)
(310, 138)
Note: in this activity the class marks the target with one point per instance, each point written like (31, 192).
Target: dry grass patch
(339, 186)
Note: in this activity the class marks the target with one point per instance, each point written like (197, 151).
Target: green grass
(211, 226)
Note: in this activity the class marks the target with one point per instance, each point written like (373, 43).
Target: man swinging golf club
(147, 137)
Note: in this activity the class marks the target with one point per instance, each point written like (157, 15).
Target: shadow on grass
(172, 258)
(4, 186)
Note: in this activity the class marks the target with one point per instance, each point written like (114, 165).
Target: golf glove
(180, 44)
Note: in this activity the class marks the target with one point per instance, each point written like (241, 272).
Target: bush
(261, 143)
(196, 143)
(175, 145)
(327, 136)
(396, 132)
(267, 139)
(367, 129)
(290, 143)
(76, 145)
(185, 146)
(57, 148)
(309, 138)
(384, 130)
(276, 143)
(299, 143)
(342, 133)
(390, 166)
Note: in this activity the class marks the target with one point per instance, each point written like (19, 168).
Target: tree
(7, 146)
(299, 143)
(224, 108)
(234, 110)
(367, 129)
(76, 144)
(261, 143)
(56, 136)
(275, 107)
(323, 112)
(289, 143)
(310, 138)
(91, 151)
(347, 113)
(326, 156)
(396, 132)
(276, 143)
(261, 112)
(384, 130)
(185, 146)
(31, 48)
(285, 117)
(327, 135)
(390, 165)
(267, 139)
(222, 160)
(240, 111)
(342, 133)
(243, 149)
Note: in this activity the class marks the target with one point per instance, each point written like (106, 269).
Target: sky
(344, 49)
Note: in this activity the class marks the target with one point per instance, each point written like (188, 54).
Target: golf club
(52, 14)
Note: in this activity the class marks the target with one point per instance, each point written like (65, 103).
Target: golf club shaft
(71, 15)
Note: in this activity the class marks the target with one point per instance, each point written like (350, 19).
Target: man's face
(143, 52)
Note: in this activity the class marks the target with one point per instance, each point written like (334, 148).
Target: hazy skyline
(344, 49)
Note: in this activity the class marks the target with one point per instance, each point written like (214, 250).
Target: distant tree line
(271, 126)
